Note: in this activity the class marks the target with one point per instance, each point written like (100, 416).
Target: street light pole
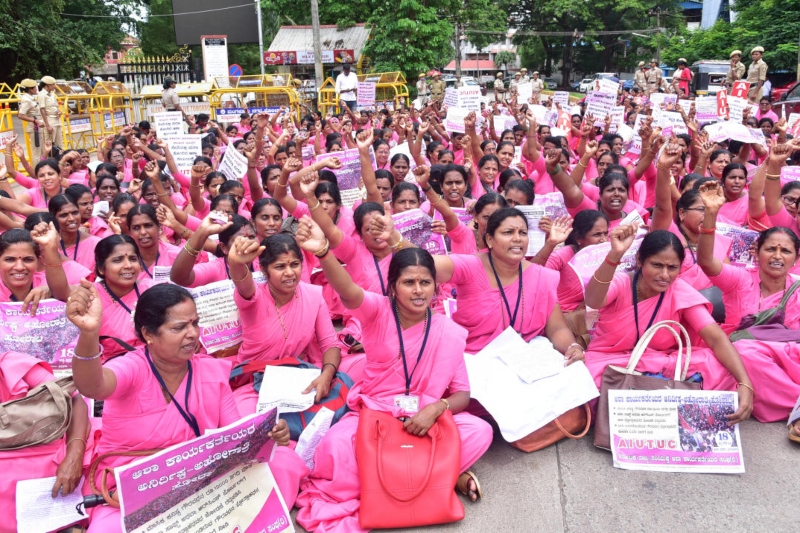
(318, 75)
(260, 37)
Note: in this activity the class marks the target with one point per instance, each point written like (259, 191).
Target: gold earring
(149, 342)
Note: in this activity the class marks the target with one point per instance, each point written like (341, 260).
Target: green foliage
(772, 24)
(35, 40)
(504, 58)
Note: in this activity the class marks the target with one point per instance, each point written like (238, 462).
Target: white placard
(736, 107)
(600, 104)
(524, 92)
(455, 119)
(184, 149)
(561, 98)
(283, 386)
(451, 97)
(190, 108)
(215, 58)
(469, 97)
(604, 85)
(169, 124)
(234, 164)
(366, 93)
(706, 110)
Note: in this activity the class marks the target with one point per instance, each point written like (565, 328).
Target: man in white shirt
(346, 87)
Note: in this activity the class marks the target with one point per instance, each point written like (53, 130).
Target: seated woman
(493, 287)
(75, 272)
(687, 223)
(428, 343)
(162, 394)
(773, 365)
(118, 268)
(22, 254)
(276, 316)
(62, 458)
(74, 243)
(145, 230)
(630, 303)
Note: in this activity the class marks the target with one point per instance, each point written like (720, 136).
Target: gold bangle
(279, 184)
(663, 167)
(594, 277)
(398, 245)
(163, 194)
(581, 164)
(773, 177)
(322, 252)
(749, 387)
(76, 438)
(247, 271)
(446, 403)
(191, 251)
(184, 233)
(49, 265)
(196, 186)
(316, 206)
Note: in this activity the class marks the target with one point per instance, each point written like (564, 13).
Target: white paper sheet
(283, 387)
(312, 435)
(100, 207)
(531, 362)
(39, 512)
(521, 408)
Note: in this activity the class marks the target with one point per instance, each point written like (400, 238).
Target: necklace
(283, 326)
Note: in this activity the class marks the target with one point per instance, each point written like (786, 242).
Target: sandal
(462, 485)
(794, 435)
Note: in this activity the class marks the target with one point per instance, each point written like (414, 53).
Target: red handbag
(406, 480)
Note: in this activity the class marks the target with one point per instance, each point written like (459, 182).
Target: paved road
(572, 487)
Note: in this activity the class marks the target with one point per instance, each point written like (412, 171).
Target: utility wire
(153, 16)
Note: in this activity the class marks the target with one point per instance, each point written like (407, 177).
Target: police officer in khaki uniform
(537, 84)
(170, 99)
(51, 114)
(654, 78)
(437, 88)
(423, 91)
(640, 77)
(737, 69)
(525, 78)
(29, 113)
(499, 88)
(756, 75)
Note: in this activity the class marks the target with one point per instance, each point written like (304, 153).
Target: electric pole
(458, 50)
(318, 75)
(657, 12)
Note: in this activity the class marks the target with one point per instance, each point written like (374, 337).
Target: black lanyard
(380, 277)
(44, 194)
(512, 318)
(117, 298)
(402, 347)
(75, 253)
(228, 270)
(636, 306)
(186, 414)
(688, 244)
(158, 255)
(14, 298)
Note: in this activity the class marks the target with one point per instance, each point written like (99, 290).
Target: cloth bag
(247, 371)
(406, 480)
(767, 325)
(574, 424)
(617, 378)
(42, 416)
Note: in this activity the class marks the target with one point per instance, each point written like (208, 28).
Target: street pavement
(572, 487)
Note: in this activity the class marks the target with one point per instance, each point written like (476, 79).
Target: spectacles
(698, 209)
(790, 200)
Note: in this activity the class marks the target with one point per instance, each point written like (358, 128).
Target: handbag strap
(680, 335)
(788, 294)
(56, 390)
(389, 489)
(585, 430)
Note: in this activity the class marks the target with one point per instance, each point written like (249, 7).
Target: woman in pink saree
(774, 366)
(630, 303)
(283, 317)
(162, 394)
(433, 346)
(62, 458)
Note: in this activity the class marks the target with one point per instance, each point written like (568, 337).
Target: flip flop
(463, 488)
(793, 434)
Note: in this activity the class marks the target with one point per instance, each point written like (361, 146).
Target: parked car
(790, 101)
(575, 86)
(778, 92)
(550, 83)
(708, 76)
(627, 85)
(585, 84)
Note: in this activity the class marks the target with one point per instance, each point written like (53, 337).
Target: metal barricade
(233, 95)
(194, 99)
(112, 108)
(390, 90)
(77, 100)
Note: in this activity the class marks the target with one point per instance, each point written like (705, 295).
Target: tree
(504, 58)
(36, 40)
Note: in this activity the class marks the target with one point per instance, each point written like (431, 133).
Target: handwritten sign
(234, 164)
(366, 94)
(184, 150)
(169, 124)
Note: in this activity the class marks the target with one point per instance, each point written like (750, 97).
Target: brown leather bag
(42, 416)
(617, 378)
(111, 497)
(574, 424)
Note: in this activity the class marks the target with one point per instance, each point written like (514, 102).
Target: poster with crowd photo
(220, 326)
(417, 227)
(670, 430)
(348, 177)
(586, 262)
(742, 244)
(219, 483)
(48, 336)
(464, 216)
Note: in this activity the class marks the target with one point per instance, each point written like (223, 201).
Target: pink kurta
(83, 251)
(691, 272)
(615, 333)
(117, 322)
(166, 257)
(330, 497)
(481, 310)
(570, 288)
(270, 334)
(18, 374)
(735, 212)
(137, 417)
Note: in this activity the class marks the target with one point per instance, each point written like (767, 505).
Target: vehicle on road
(585, 84)
(708, 76)
(789, 101)
(550, 83)
(778, 92)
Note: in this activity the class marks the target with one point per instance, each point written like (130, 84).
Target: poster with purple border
(671, 430)
(416, 226)
(48, 336)
(220, 326)
(586, 262)
(349, 176)
(220, 481)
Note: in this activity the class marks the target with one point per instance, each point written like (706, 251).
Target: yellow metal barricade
(233, 95)
(390, 91)
(9, 108)
(112, 108)
(77, 101)
(194, 99)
